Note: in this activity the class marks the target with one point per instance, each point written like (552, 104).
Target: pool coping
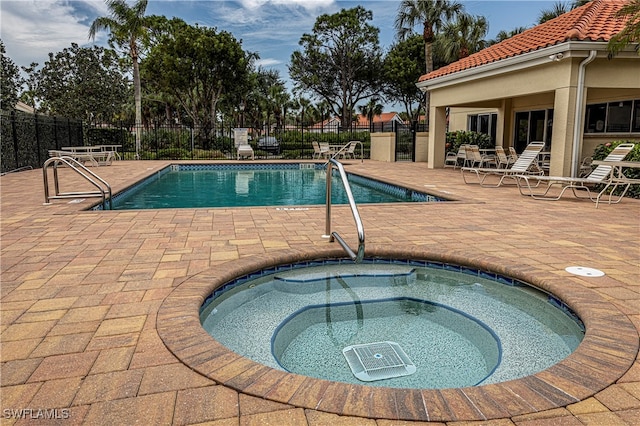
(599, 361)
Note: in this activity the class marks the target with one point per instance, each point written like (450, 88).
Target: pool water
(188, 186)
(459, 327)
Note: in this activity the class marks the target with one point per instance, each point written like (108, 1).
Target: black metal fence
(27, 138)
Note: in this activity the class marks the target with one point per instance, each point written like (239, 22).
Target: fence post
(35, 117)
(15, 136)
(55, 131)
(68, 133)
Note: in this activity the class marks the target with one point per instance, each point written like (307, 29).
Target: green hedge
(453, 140)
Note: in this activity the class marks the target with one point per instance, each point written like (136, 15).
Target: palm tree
(432, 14)
(630, 33)
(463, 37)
(127, 25)
(503, 35)
(370, 110)
(559, 8)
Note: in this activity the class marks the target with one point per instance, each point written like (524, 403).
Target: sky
(30, 29)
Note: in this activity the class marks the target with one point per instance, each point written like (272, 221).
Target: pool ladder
(356, 257)
(103, 188)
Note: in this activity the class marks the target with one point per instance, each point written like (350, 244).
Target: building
(553, 82)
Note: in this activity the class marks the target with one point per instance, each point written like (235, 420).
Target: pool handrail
(104, 189)
(356, 257)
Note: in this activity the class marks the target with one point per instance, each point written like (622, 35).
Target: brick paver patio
(98, 308)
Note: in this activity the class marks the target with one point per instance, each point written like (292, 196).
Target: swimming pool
(244, 185)
(459, 326)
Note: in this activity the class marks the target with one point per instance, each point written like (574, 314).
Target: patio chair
(513, 154)
(477, 159)
(525, 164)
(602, 174)
(350, 151)
(454, 158)
(503, 160)
(325, 150)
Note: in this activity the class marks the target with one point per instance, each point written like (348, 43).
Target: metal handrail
(80, 169)
(357, 258)
(17, 170)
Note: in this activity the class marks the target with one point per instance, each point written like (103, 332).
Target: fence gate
(405, 142)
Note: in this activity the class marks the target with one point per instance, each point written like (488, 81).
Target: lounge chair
(525, 164)
(241, 141)
(602, 174)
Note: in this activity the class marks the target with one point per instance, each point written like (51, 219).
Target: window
(483, 123)
(613, 117)
(533, 126)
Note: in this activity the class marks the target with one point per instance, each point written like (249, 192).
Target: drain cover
(377, 361)
(584, 272)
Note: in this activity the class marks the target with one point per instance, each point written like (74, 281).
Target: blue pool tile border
(502, 279)
(398, 191)
(394, 299)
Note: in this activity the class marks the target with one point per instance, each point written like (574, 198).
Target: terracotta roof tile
(595, 21)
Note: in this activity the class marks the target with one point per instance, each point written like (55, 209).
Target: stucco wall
(383, 147)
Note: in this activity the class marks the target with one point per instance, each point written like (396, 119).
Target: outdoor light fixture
(556, 57)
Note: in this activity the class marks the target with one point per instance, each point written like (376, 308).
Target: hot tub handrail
(356, 257)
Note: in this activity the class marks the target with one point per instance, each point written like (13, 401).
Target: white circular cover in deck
(584, 271)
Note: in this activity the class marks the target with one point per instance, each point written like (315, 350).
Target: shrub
(453, 140)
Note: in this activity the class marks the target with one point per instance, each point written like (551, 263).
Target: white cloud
(268, 62)
(306, 4)
(33, 28)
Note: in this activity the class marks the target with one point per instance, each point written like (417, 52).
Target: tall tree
(197, 66)
(127, 25)
(84, 83)
(340, 61)
(559, 8)
(503, 35)
(630, 34)
(371, 109)
(403, 65)
(432, 14)
(462, 37)
(30, 95)
(10, 82)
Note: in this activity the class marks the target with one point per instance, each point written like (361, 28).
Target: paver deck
(99, 309)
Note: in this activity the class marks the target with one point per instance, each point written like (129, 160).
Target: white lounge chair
(602, 174)
(241, 141)
(525, 164)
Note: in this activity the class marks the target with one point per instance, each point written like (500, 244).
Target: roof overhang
(563, 51)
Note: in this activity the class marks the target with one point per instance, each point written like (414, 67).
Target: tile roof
(595, 21)
(385, 117)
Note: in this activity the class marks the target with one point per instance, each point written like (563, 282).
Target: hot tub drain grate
(377, 361)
